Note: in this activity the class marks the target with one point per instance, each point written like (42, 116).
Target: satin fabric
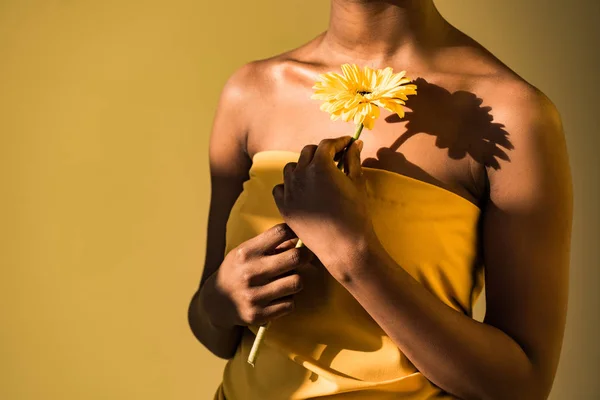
(329, 346)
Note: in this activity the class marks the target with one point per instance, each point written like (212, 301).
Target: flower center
(363, 92)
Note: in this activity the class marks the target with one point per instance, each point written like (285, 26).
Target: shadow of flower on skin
(458, 121)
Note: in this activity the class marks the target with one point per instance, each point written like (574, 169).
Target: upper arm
(228, 160)
(526, 234)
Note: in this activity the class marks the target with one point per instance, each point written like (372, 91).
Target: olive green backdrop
(105, 112)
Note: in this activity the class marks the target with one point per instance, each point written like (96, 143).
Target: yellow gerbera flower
(357, 94)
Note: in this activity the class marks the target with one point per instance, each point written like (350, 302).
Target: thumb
(278, 195)
(353, 162)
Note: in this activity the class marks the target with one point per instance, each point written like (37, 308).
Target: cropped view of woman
(471, 185)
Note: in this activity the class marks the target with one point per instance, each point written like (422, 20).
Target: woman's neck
(377, 31)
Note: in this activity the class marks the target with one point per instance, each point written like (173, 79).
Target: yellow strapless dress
(330, 347)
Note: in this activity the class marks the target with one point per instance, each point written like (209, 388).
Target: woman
(380, 307)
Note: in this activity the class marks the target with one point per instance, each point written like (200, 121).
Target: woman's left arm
(526, 231)
(514, 353)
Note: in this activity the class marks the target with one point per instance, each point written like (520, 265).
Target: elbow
(532, 392)
(216, 349)
(506, 392)
(513, 394)
(528, 387)
(223, 354)
(223, 349)
(521, 382)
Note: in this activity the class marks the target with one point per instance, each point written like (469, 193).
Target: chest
(446, 138)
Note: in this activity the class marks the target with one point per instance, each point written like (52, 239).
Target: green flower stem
(359, 128)
(263, 328)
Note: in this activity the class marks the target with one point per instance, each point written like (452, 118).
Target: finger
(281, 263)
(288, 169)
(352, 163)
(286, 286)
(329, 147)
(266, 241)
(360, 144)
(341, 153)
(278, 195)
(287, 245)
(306, 155)
(278, 308)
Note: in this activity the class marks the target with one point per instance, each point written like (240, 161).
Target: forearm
(221, 340)
(465, 357)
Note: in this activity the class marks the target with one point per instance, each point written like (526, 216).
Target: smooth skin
(526, 201)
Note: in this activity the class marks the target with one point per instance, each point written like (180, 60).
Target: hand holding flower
(326, 207)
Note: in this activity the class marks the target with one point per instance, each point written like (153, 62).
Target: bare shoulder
(247, 83)
(536, 161)
(530, 118)
(262, 77)
(515, 126)
(260, 86)
(518, 103)
(247, 91)
(246, 94)
(512, 99)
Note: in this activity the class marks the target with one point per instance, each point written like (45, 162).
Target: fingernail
(360, 144)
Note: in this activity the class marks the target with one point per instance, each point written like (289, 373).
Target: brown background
(105, 111)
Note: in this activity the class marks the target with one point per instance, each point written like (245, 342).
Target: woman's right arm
(255, 282)
(229, 165)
